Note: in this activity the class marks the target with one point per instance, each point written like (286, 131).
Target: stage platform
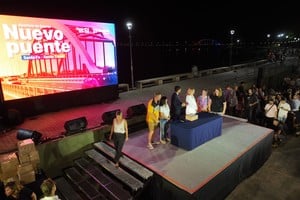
(210, 171)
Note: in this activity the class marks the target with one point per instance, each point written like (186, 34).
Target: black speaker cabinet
(75, 125)
(136, 110)
(109, 116)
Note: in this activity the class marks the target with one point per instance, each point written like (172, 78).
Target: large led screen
(41, 56)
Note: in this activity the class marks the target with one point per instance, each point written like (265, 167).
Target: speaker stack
(109, 116)
(75, 125)
(136, 110)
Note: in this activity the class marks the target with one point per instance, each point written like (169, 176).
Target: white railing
(178, 77)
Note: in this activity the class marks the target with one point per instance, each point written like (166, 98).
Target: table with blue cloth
(190, 134)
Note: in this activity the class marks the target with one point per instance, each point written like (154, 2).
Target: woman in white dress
(191, 103)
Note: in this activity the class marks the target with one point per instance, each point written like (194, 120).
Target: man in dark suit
(176, 104)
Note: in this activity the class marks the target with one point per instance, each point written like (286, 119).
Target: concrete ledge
(162, 80)
(123, 87)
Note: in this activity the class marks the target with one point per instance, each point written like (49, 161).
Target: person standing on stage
(164, 119)
(176, 104)
(191, 103)
(218, 102)
(204, 101)
(152, 117)
(119, 129)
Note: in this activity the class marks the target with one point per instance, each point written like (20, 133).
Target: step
(133, 183)
(88, 188)
(127, 162)
(84, 183)
(74, 175)
(66, 189)
(113, 190)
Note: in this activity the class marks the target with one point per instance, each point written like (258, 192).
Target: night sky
(171, 21)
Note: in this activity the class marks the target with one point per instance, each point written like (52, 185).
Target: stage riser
(58, 154)
(223, 183)
(135, 168)
(107, 186)
(66, 189)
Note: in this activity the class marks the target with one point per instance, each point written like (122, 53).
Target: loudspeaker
(23, 134)
(139, 109)
(109, 116)
(75, 125)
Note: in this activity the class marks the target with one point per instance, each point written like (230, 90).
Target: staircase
(94, 176)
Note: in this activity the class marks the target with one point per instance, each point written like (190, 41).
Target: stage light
(75, 125)
(23, 134)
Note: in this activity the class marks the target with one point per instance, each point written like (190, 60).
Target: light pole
(231, 44)
(268, 40)
(129, 27)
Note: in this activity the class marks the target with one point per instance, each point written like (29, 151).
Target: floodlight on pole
(231, 44)
(268, 39)
(129, 27)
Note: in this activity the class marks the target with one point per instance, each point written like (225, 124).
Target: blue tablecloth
(190, 134)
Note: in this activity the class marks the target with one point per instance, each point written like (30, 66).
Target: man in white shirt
(283, 109)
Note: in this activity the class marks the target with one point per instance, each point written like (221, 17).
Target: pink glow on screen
(42, 56)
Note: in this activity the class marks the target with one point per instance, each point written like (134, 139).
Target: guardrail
(178, 77)
(123, 87)
(163, 79)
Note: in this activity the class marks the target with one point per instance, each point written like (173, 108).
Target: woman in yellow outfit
(152, 117)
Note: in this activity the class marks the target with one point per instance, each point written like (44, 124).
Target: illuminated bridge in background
(80, 68)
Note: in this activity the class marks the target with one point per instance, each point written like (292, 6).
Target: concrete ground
(277, 179)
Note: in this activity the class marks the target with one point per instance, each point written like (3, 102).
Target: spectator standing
(48, 188)
(17, 191)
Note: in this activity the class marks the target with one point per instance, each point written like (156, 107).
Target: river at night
(150, 61)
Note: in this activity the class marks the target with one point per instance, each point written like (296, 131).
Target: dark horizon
(156, 21)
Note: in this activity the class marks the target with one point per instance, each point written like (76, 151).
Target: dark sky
(163, 20)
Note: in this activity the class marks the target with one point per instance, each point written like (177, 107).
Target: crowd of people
(13, 190)
(276, 109)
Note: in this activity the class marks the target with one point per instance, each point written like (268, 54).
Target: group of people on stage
(13, 190)
(159, 113)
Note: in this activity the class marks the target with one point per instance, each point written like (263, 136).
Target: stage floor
(191, 170)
